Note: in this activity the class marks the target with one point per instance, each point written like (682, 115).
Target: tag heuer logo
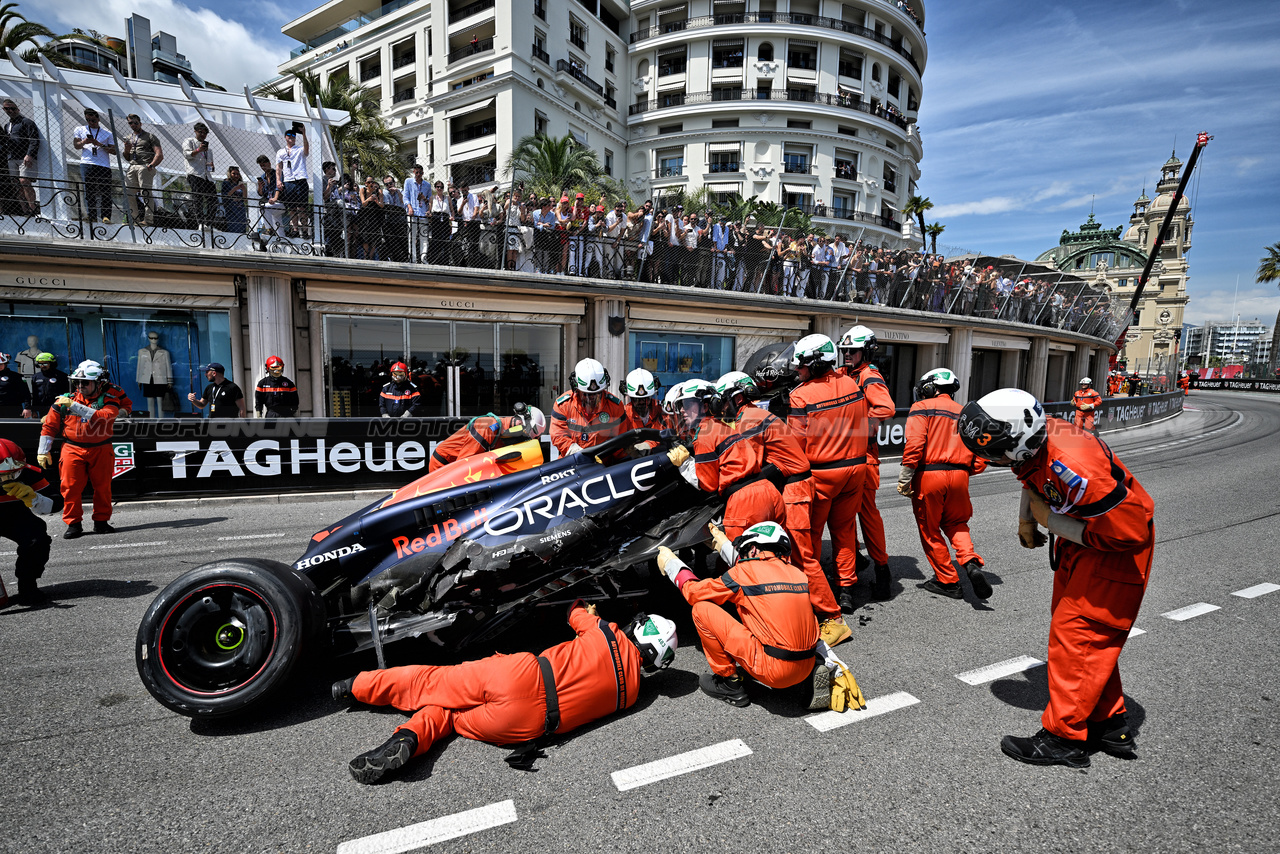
(124, 461)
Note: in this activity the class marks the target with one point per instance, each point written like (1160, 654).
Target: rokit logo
(551, 478)
(325, 557)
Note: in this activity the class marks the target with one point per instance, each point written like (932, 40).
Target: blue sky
(1030, 113)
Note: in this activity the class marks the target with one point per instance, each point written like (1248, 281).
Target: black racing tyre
(225, 636)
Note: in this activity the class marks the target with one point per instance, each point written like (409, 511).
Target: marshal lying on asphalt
(461, 553)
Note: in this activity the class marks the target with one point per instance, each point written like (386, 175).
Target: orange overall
(481, 434)
(728, 458)
(502, 699)
(654, 419)
(1086, 397)
(879, 407)
(86, 457)
(1184, 383)
(775, 640)
(570, 425)
(829, 417)
(1097, 586)
(940, 501)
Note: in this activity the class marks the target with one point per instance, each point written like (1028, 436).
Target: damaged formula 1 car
(460, 554)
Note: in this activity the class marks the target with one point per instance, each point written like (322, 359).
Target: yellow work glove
(1039, 509)
(62, 401)
(905, 474)
(718, 538)
(1029, 534)
(20, 491)
(678, 455)
(845, 693)
(45, 460)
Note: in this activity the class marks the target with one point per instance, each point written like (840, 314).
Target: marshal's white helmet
(814, 350)
(655, 638)
(858, 338)
(735, 380)
(694, 390)
(639, 384)
(671, 403)
(1005, 426)
(768, 535)
(89, 370)
(1086, 381)
(936, 382)
(529, 422)
(589, 377)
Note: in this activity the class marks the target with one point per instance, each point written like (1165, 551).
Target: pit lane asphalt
(89, 762)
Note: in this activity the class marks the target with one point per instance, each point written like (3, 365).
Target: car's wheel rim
(217, 639)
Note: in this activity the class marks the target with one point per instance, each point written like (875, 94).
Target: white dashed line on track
(252, 537)
(433, 831)
(999, 669)
(1135, 631)
(674, 766)
(1257, 590)
(1190, 611)
(130, 545)
(827, 721)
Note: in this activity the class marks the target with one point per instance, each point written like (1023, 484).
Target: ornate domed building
(1118, 260)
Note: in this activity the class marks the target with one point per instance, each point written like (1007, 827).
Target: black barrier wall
(190, 457)
(1272, 386)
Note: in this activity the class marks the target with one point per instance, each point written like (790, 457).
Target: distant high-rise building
(154, 56)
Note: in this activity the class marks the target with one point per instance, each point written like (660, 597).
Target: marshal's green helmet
(46, 359)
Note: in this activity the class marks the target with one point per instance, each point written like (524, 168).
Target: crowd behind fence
(449, 225)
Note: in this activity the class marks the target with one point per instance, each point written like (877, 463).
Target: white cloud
(1252, 302)
(221, 50)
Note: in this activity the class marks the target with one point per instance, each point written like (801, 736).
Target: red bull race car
(459, 555)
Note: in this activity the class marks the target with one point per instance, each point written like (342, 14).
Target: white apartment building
(806, 103)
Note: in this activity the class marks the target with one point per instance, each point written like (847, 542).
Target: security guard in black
(223, 397)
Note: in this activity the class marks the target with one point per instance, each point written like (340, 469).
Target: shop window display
(25, 337)
(673, 358)
(498, 364)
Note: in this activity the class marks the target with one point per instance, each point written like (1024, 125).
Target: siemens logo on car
(594, 490)
(325, 557)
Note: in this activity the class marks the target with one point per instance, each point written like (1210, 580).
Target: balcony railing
(797, 167)
(402, 96)
(611, 102)
(794, 19)
(403, 59)
(725, 166)
(669, 171)
(474, 49)
(890, 185)
(846, 171)
(539, 53)
(576, 73)
(370, 73)
(577, 41)
(847, 102)
(469, 10)
(470, 132)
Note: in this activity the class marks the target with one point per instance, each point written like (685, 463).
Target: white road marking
(1002, 668)
(827, 721)
(130, 545)
(433, 831)
(1190, 611)
(1189, 439)
(252, 537)
(1257, 590)
(1135, 631)
(674, 766)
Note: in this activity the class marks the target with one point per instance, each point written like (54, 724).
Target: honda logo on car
(325, 557)
(593, 491)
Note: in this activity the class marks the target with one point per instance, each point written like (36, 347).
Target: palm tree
(549, 165)
(16, 31)
(933, 230)
(1269, 267)
(916, 206)
(366, 139)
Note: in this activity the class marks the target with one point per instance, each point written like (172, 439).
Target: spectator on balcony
(349, 199)
(95, 144)
(722, 238)
(395, 227)
(291, 177)
(417, 204)
(643, 220)
(515, 219)
(615, 228)
(234, 201)
(475, 43)
(269, 195)
(546, 246)
(204, 193)
(142, 152)
(21, 147)
(673, 223)
(593, 240)
(370, 220)
(440, 222)
(471, 211)
(564, 227)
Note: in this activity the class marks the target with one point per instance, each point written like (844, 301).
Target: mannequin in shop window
(155, 373)
(26, 359)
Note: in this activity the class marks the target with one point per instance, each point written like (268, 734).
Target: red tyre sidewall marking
(275, 634)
